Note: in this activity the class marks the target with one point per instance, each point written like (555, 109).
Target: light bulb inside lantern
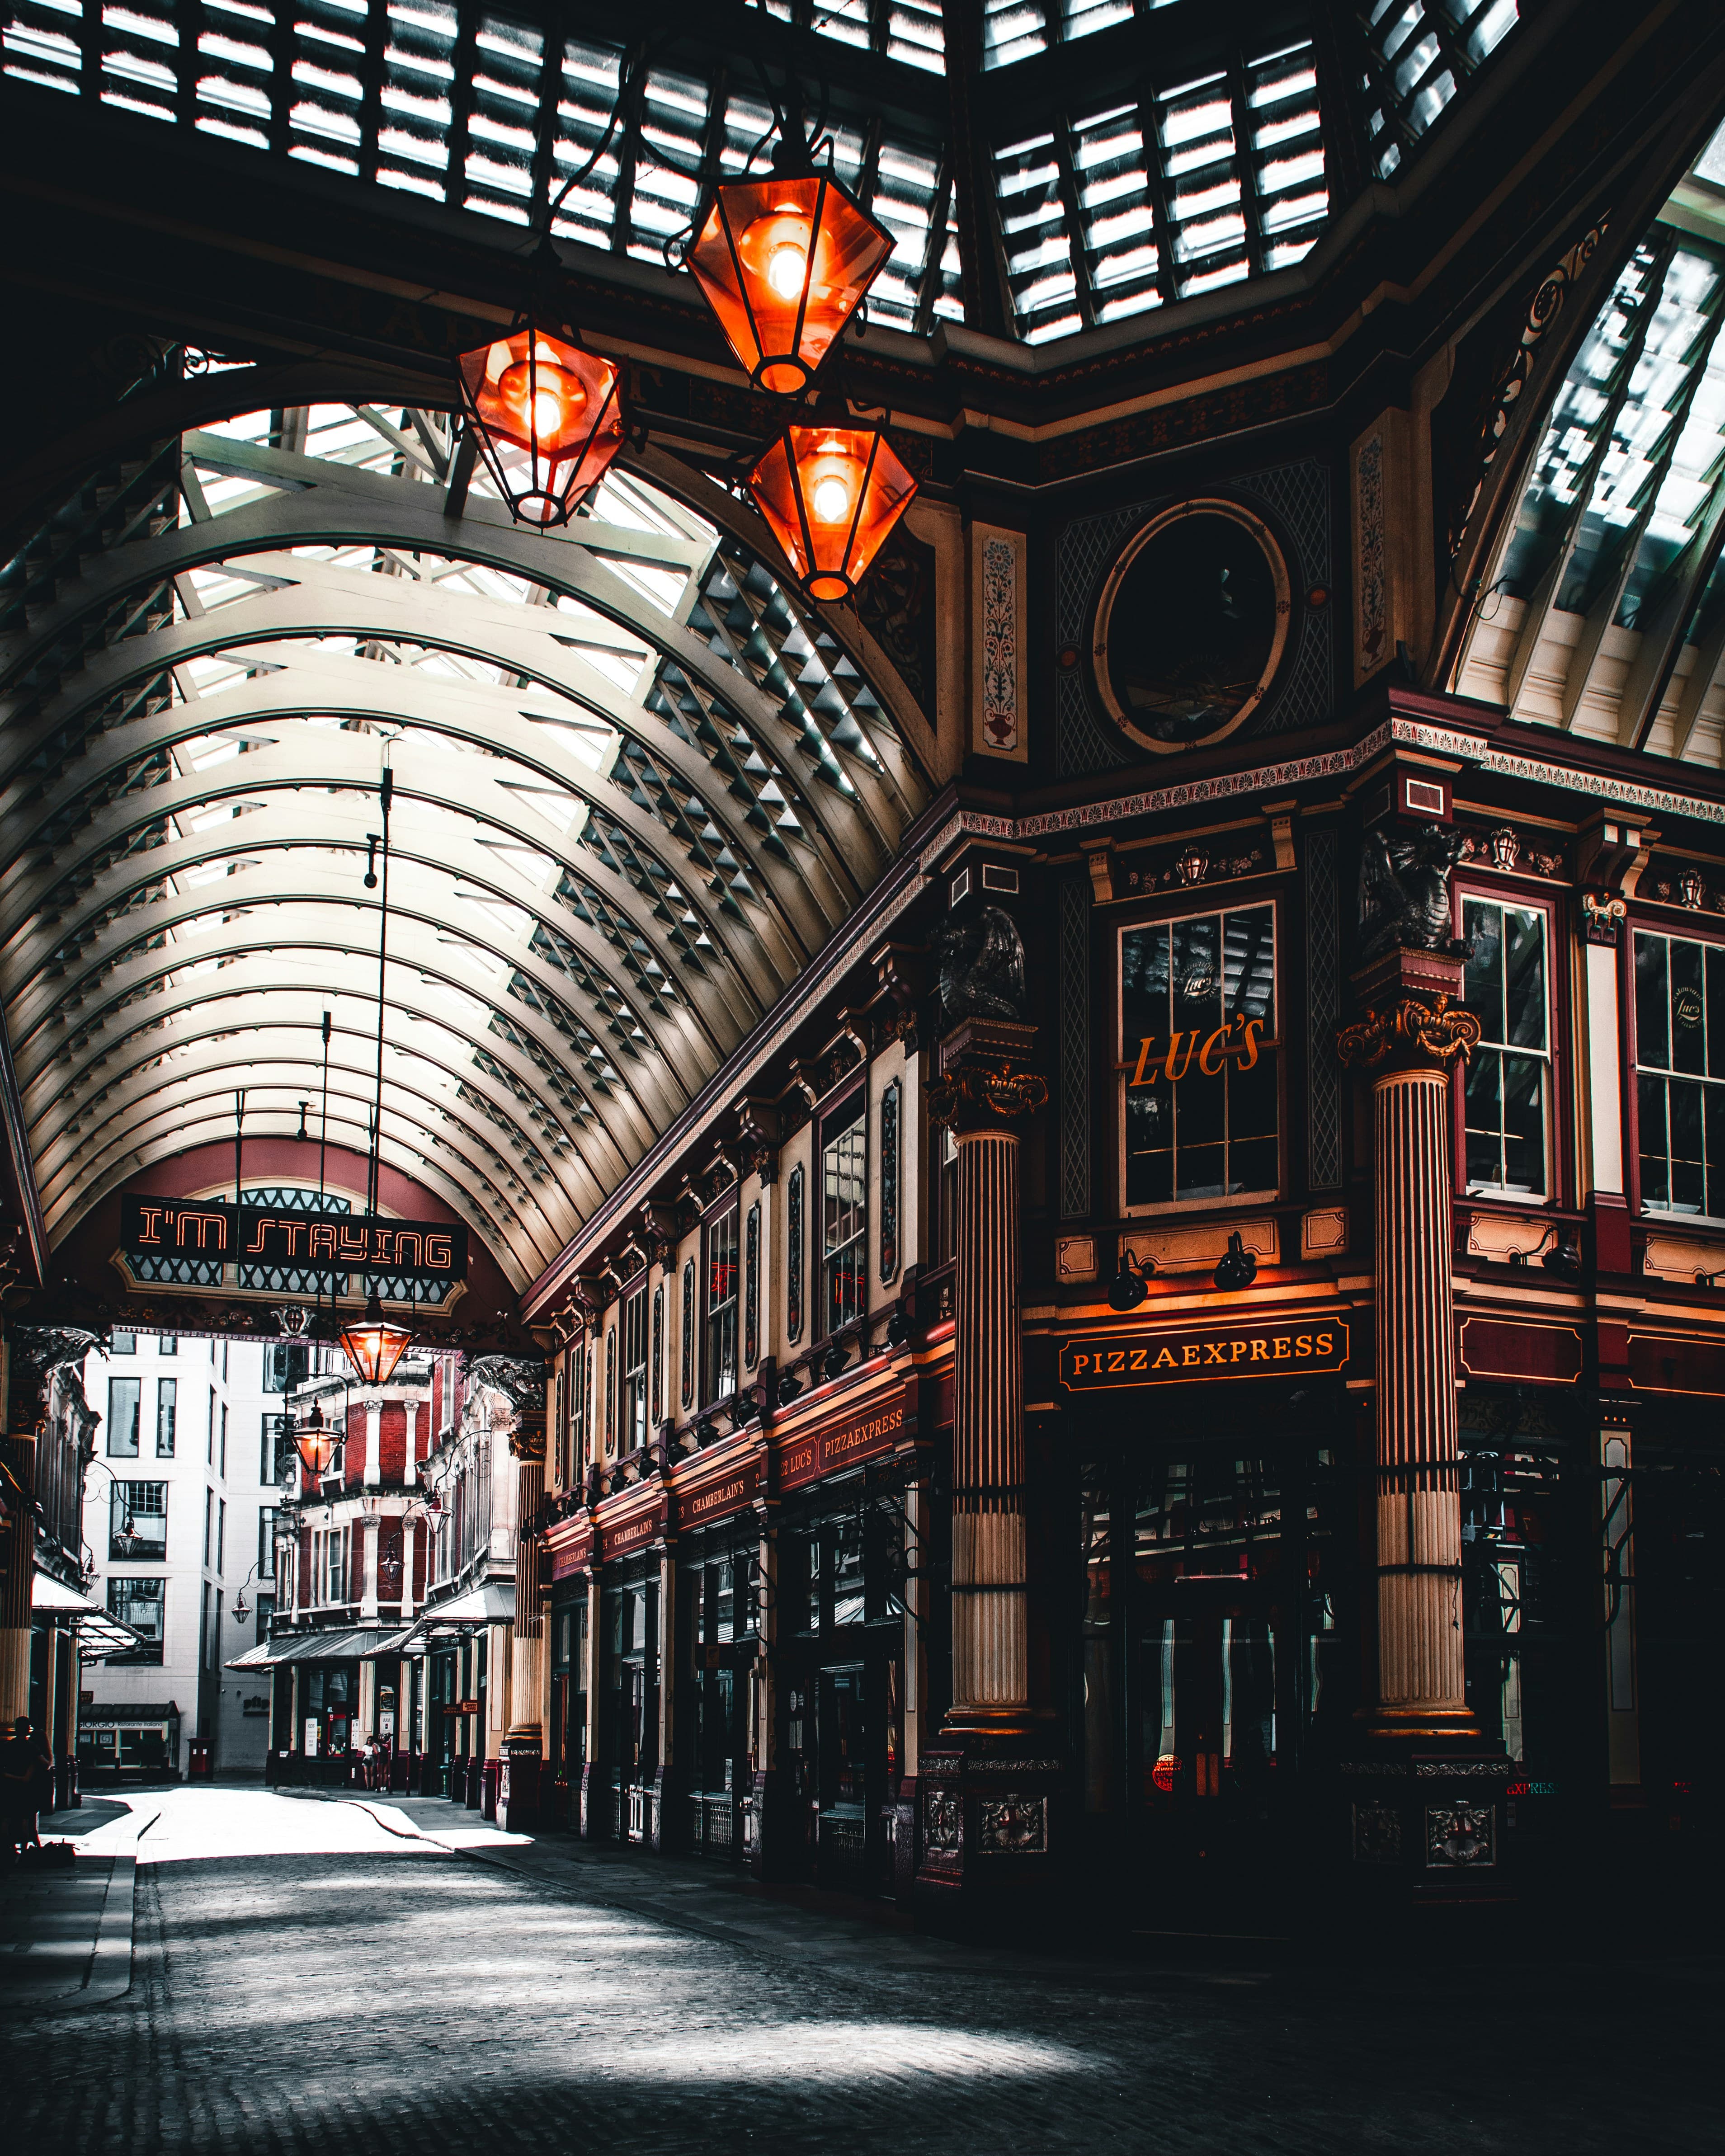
(785, 268)
(831, 500)
(553, 397)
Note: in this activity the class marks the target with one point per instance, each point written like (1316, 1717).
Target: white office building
(180, 1505)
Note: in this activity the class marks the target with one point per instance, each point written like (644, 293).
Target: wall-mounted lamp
(1237, 1267)
(1128, 1290)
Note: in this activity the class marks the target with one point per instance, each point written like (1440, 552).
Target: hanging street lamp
(784, 262)
(547, 417)
(831, 491)
(374, 1343)
(316, 1442)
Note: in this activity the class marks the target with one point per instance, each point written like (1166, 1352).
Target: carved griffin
(982, 968)
(1404, 892)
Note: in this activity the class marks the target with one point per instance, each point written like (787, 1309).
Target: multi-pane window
(577, 1409)
(722, 1286)
(635, 1371)
(124, 1343)
(166, 1395)
(1508, 1082)
(329, 1564)
(277, 1429)
(844, 1214)
(141, 1603)
(1680, 1073)
(221, 1534)
(1200, 1108)
(267, 1517)
(124, 1396)
(167, 1343)
(137, 1522)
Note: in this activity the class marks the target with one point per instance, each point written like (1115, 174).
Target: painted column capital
(984, 1082)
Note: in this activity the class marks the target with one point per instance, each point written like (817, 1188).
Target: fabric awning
(492, 1604)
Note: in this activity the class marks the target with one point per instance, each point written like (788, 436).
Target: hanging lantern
(315, 1444)
(548, 417)
(832, 493)
(374, 1343)
(784, 263)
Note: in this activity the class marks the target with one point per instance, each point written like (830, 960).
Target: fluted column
(1410, 1041)
(990, 1637)
(524, 1740)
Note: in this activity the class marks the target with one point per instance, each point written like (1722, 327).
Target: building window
(221, 1534)
(948, 1196)
(137, 1522)
(793, 1256)
(634, 1370)
(266, 1616)
(286, 1363)
(141, 1604)
(659, 1353)
(1508, 1078)
(267, 1517)
(1680, 1073)
(688, 1374)
(277, 1432)
(610, 1392)
(721, 1307)
(751, 1288)
(1199, 1107)
(167, 1393)
(209, 1523)
(223, 1463)
(124, 1396)
(577, 1409)
(167, 1343)
(890, 1101)
(844, 1215)
(560, 1429)
(330, 1548)
(124, 1343)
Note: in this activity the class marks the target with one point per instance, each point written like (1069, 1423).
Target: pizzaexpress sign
(1242, 1351)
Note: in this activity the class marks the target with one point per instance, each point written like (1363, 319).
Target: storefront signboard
(1100, 1363)
(618, 1539)
(571, 1557)
(861, 1435)
(717, 1497)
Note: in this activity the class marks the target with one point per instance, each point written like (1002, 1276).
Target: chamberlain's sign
(1243, 1351)
(260, 1235)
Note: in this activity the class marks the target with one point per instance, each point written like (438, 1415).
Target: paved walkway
(65, 1931)
(327, 1976)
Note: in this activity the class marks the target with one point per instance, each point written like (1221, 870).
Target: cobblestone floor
(367, 1990)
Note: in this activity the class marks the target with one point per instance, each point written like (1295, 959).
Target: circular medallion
(1191, 624)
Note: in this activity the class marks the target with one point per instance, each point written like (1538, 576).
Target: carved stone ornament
(1602, 917)
(1012, 1826)
(1377, 1834)
(984, 1096)
(519, 1378)
(941, 1822)
(1405, 891)
(1437, 1032)
(982, 968)
(1460, 1835)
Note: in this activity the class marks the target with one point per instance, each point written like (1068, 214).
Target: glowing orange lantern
(557, 408)
(316, 1444)
(374, 1344)
(832, 493)
(784, 263)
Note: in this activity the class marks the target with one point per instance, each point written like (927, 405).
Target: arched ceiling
(638, 784)
(1605, 613)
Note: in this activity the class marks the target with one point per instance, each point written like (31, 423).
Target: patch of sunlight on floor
(182, 1826)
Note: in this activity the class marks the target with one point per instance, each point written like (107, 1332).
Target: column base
(990, 1825)
(1422, 1812)
(518, 1786)
(667, 1823)
(592, 1804)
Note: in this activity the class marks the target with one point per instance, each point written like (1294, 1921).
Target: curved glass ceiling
(637, 790)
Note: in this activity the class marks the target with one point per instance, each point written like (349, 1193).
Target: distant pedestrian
(25, 1760)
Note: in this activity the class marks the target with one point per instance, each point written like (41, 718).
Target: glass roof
(1181, 160)
(1621, 516)
(637, 788)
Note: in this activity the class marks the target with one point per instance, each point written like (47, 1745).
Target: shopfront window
(142, 1604)
(125, 1396)
(1200, 1117)
(844, 1220)
(721, 1287)
(137, 1522)
(1680, 1073)
(1508, 1080)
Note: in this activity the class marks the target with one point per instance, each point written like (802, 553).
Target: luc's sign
(260, 1235)
(1241, 1351)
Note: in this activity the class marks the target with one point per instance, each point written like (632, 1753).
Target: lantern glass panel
(548, 416)
(783, 264)
(831, 494)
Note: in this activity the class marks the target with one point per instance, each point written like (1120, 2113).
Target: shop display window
(1680, 1073)
(1508, 1088)
(1200, 1111)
